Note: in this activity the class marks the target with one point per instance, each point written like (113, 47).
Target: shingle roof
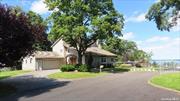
(47, 54)
(99, 51)
(92, 49)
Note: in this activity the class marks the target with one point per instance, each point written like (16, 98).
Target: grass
(170, 80)
(74, 75)
(6, 74)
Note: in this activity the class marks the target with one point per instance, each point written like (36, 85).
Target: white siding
(59, 48)
(28, 63)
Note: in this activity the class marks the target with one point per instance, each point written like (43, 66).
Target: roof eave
(55, 42)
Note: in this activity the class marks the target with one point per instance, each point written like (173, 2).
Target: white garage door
(51, 64)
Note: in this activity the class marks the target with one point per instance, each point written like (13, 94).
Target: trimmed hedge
(67, 68)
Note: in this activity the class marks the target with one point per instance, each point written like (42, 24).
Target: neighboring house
(62, 53)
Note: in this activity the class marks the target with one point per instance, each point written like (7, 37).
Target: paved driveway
(32, 80)
(129, 86)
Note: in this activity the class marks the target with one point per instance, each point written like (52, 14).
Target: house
(62, 53)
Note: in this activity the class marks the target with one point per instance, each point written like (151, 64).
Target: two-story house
(62, 53)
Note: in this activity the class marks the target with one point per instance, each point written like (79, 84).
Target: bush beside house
(80, 68)
(83, 68)
(67, 68)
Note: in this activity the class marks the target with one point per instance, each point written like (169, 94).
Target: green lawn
(6, 74)
(74, 75)
(170, 80)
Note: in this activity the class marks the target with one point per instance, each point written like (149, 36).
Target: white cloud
(136, 18)
(168, 50)
(129, 35)
(39, 6)
(158, 38)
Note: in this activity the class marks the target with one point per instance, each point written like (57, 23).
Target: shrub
(5, 69)
(82, 68)
(67, 68)
(126, 65)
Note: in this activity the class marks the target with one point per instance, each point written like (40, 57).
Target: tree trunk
(80, 58)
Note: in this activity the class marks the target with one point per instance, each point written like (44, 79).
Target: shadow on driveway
(29, 86)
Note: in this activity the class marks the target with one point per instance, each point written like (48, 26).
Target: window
(112, 59)
(30, 60)
(103, 59)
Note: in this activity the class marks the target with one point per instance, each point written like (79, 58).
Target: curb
(161, 87)
(142, 70)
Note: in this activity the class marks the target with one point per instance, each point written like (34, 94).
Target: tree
(165, 13)
(36, 19)
(82, 22)
(123, 48)
(126, 50)
(140, 55)
(17, 36)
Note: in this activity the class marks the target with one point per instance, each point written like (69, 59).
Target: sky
(162, 44)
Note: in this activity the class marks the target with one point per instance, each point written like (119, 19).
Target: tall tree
(36, 19)
(123, 48)
(81, 22)
(165, 13)
(126, 50)
(17, 36)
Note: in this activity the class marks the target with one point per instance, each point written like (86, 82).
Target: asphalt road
(131, 86)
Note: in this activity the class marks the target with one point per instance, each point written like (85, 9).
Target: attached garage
(43, 60)
(45, 64)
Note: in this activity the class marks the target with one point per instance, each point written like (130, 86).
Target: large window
(103, 59)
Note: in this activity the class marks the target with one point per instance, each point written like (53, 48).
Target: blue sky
(163, 44)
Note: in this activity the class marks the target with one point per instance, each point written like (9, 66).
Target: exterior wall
(59, 48)
(71, 51)
(28, 63)
(97, 61)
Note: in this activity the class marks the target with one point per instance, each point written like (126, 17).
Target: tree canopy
(82, 22)
(17, 35)
(36, 19)
(165, 13)
(126, 50)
